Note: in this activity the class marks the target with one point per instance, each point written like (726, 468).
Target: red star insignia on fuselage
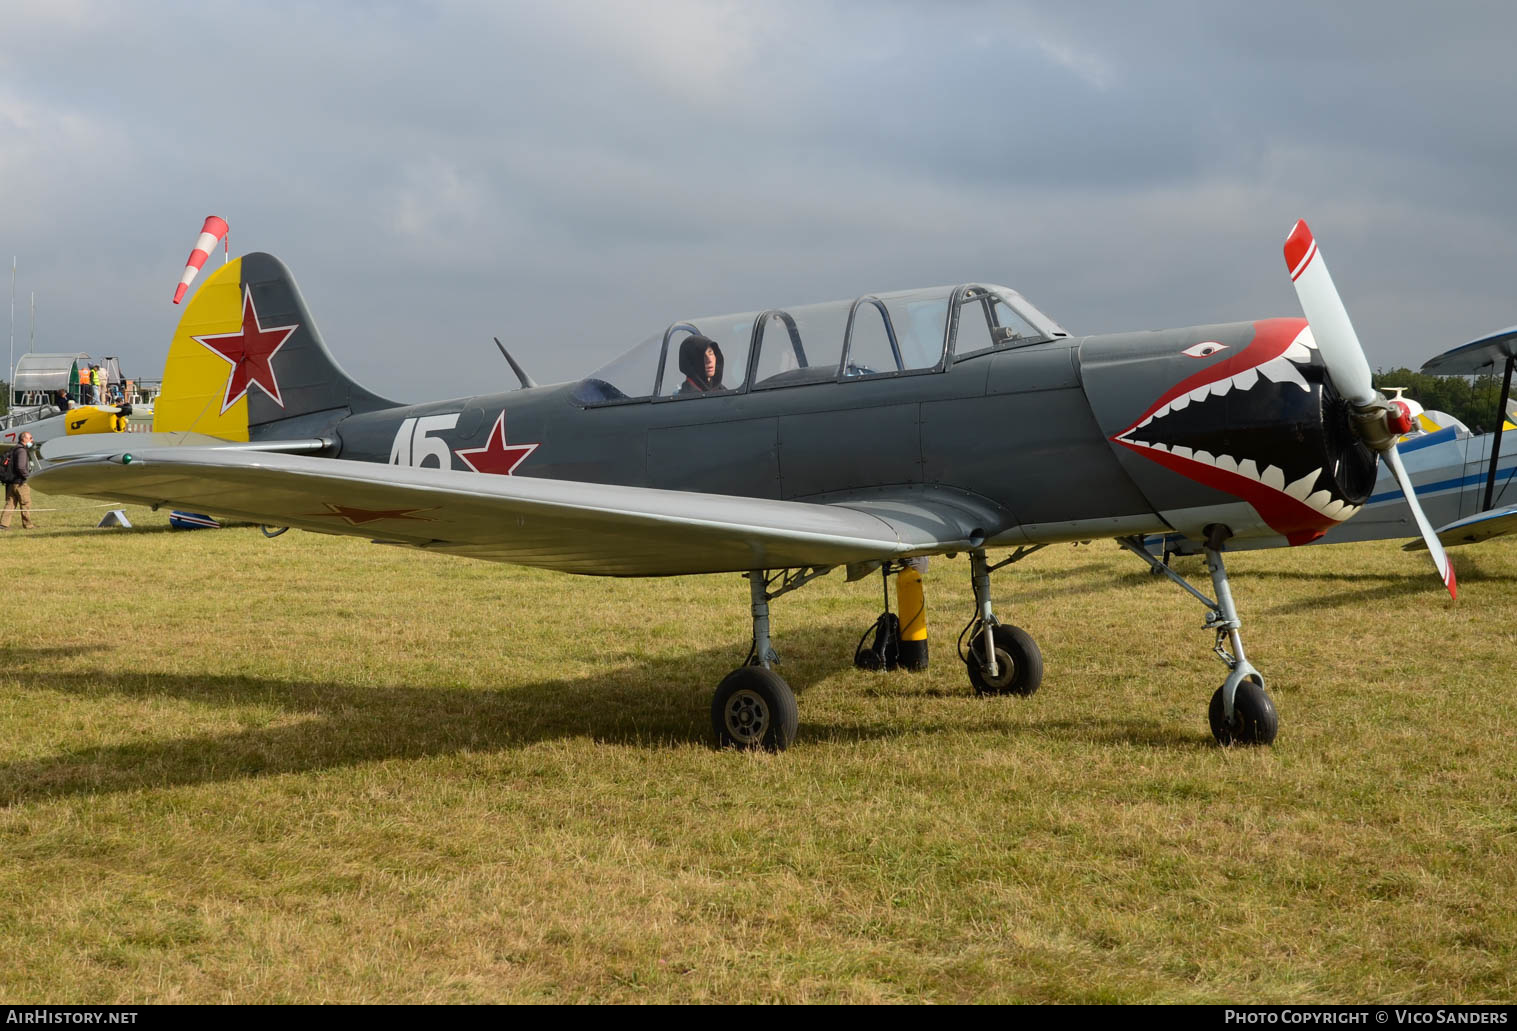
(357, 516)
(496, 456)
(251, 351)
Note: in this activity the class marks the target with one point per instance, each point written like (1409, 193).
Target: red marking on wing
(358, 516)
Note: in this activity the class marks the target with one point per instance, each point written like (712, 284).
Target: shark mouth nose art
(1222, 427)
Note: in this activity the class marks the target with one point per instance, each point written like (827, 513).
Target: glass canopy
(877, 335)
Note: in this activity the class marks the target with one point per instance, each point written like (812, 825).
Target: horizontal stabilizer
(63, 449)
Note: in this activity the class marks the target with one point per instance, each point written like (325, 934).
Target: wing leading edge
(557, 524)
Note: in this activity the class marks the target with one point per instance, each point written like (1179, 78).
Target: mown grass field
(313, 769)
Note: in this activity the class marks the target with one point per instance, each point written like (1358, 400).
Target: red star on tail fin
(251, 351)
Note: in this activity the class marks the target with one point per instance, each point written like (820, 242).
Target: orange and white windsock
(214, 230)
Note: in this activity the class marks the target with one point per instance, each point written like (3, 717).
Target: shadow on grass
(1393, 586)
(645, 701)
(96, 531)
(1095, 731)
(659, 702)
(11, 654)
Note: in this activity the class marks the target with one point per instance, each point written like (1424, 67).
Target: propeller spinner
(1377, 420)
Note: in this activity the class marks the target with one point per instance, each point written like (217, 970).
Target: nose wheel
(1240, 713)
(1253, 721)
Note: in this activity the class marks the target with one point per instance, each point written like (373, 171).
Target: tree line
(1470, 399)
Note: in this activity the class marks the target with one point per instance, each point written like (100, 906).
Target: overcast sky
(573, 176)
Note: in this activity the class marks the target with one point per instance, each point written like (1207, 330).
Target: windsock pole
(215, 229)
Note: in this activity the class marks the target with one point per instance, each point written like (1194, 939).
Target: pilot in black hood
(700, 359)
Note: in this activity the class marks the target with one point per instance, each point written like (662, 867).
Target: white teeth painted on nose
(1279, 370)
(1321, 501)
(1301, 489)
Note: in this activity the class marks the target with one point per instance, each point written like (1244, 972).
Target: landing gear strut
(753, 707)
(999, 659)
(1240, 711)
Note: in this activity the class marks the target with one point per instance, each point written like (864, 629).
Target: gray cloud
(573, 176)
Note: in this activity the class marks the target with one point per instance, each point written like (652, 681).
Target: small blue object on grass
(191, 521)
(116, 517)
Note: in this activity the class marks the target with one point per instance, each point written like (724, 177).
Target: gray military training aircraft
(785, 443)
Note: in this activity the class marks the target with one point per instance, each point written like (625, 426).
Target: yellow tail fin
(195, 377)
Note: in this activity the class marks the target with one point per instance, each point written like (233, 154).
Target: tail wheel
(1019, 663)
(1254, 720)
(754, 708)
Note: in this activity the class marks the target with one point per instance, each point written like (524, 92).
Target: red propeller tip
(1299, 246)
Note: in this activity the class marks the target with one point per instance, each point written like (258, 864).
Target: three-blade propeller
(1350, 370)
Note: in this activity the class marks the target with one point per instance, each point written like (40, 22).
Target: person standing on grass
(17, 493)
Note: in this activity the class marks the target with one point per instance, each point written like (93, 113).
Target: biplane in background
(785, 443)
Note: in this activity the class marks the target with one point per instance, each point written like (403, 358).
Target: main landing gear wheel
(754, 709)
(1019, 663)
(1254, 721)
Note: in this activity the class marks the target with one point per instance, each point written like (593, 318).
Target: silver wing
(557, 524)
